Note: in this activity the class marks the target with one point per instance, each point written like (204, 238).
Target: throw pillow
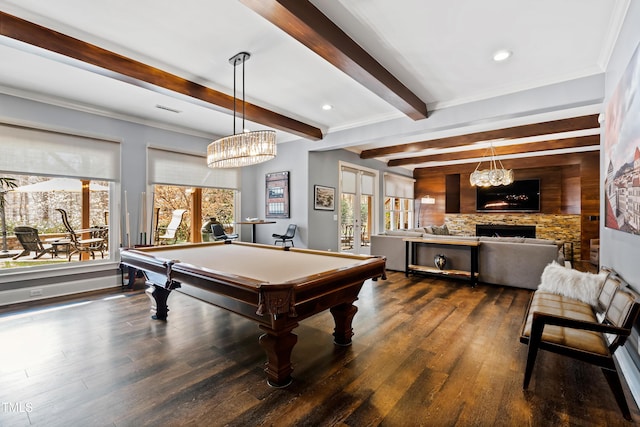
(428, 229)
(440, 230)
(572, 283)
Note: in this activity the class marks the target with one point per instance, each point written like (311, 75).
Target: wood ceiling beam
(524, 131)
(532, 147)
(305, 23)
(551, 160)
(125, 69)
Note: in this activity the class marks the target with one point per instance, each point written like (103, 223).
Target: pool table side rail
(300, 293)
(279, 298)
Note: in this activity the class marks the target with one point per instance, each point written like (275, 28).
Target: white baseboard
(630, 372)
(35, 293)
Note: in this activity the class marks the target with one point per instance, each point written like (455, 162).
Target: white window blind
(190, 170)
(398, 186)
(350, 177)
(368, 184)
(41, 152)
(348, 181)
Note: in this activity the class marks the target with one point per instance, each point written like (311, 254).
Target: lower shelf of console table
(411, 267)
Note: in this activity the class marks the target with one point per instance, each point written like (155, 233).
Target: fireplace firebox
(505, 230)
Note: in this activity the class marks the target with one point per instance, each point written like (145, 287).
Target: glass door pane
(346, 222)
(365, 221)
(356, 209)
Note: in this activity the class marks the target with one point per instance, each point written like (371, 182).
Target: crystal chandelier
(493, 176)
(245, 148)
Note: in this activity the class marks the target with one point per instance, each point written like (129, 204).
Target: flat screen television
(520, 196)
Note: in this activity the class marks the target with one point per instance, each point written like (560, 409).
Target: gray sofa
(508, 261)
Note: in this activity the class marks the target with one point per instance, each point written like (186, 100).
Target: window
(398, 213)
(55, 170)
(218, 203)
(183, 181)
(398, 202)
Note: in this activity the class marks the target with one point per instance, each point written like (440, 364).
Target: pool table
(275, 287)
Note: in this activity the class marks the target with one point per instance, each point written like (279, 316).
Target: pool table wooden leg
(158, 296)
(278, 346)
(343, 316)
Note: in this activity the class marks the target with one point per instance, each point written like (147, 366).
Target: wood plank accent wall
(589, 201)
(569, 184)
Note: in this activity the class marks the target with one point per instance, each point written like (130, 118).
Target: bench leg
(616, 387)
(534, 343)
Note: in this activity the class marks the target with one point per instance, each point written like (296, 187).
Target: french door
(357, 207)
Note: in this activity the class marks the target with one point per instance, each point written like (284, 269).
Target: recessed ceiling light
(327, 107)
(501, 55)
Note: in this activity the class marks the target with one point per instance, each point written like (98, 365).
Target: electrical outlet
(35, 292)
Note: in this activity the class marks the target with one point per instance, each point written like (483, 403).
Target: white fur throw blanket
(572, 283)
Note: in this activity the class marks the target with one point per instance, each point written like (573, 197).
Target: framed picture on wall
(324, 198)
(622, 152)
(277, 195)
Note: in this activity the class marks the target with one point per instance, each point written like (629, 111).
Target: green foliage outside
(218, 203)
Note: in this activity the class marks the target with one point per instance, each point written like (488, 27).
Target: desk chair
(30, 241)
(286, 237)
(219, 233)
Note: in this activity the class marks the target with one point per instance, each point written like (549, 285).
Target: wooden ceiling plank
(124, 69)
(305, 23)
(524, 131)
(555, 144)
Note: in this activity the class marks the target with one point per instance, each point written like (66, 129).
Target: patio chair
(171, 230)
(286, 237)
(79, 245)
(30, 241)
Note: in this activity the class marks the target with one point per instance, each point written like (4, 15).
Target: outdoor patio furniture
(172, 228)
(30, 241)
(80, 245)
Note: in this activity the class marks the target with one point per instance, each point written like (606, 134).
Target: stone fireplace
(547, 226)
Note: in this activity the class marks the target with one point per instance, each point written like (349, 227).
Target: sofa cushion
(558, 305)
(539, 241)
(571, 283)
(449, 237)
(403, 233)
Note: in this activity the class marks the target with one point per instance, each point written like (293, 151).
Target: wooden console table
(411, 266)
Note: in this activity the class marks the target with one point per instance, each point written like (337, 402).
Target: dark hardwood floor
(426, 352)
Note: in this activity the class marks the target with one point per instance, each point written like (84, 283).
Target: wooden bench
(574, 328)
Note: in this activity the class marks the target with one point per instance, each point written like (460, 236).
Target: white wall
(292, 158)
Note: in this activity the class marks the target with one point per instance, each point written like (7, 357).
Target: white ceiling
(441, 50)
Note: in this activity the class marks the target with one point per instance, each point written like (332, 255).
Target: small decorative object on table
(440, 261)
